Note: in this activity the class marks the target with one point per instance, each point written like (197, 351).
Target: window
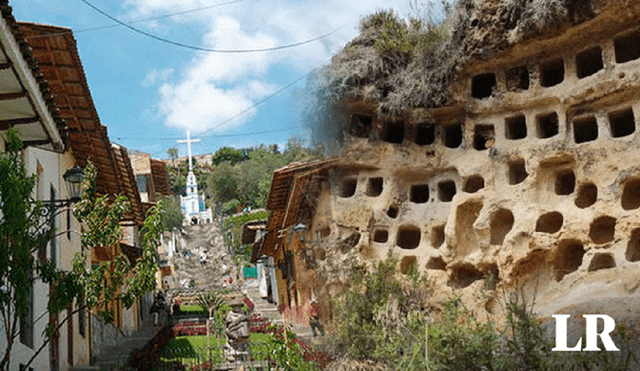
(627, 47)
(622, 123)
(548, 125)
(484, 137)
(348, 187)
(516, 127)
(565, 183)
(482, 85)
(473, 184)
(408, 237)
(437, 236)
(517, 172)
(585, 129)
(374, 187)
(589, 62)
(446, 190)
(425, 134)
(419, 193)
(361, 125)
(141, 181)
(453, 135)
(381, 235)
(393, 132)
(392, 212)
(552, 73)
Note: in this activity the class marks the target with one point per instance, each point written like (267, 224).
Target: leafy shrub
(230, 207)
(382, 316)
(458, 341)
(381, 320)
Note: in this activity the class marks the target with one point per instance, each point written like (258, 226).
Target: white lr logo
(591, 333)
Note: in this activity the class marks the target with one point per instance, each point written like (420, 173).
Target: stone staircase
(270, 311)
(202, 258)
(116, 357)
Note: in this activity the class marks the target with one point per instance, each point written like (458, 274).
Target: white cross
(189, 141)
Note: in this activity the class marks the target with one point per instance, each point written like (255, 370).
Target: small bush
(381, 316)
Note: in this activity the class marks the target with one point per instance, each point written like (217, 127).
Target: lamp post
(300, 228)
(310, 260)
(73, 178)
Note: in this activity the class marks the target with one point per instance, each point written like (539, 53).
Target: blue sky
(148, 92)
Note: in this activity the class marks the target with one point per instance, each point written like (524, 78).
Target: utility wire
(237, 115)
(199, 48)
(137, 21)
(253, 106)
(221, 135)
(163, 16)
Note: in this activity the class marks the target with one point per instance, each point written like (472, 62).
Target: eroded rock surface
(527, 178)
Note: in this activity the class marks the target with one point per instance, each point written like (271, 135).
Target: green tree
(119, 279)
(228, 154)
(243, 177)
(23, 233)
(381, 316)
(179, 184)
(171, 213)
(173, 153)
(223, 182)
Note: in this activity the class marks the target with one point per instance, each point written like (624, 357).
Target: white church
(193, 206)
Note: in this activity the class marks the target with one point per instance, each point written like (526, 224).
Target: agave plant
(211, 302)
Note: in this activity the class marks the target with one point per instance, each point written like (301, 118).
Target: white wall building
(25, 108)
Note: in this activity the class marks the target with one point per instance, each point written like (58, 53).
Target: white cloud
(214, 87)
(155, 77)
(199, 107)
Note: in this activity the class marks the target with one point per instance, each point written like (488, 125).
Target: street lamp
(73, 178)
(310, 260)
(300, 228)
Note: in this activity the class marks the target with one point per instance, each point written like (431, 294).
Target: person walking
(155, 311)
(314, 318)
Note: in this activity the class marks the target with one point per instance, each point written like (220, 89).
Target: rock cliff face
(527, 178)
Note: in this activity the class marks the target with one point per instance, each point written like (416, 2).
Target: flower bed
(189, 329)
(258, 324)
(272, 347)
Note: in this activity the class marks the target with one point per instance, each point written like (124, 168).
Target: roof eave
(12, 49)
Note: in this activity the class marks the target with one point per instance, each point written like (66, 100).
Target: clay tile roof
(127, 183)
(282, 180)
(55, 50)
(161, 178)
(289, 188)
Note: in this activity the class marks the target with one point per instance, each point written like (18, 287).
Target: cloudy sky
(148, 91)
